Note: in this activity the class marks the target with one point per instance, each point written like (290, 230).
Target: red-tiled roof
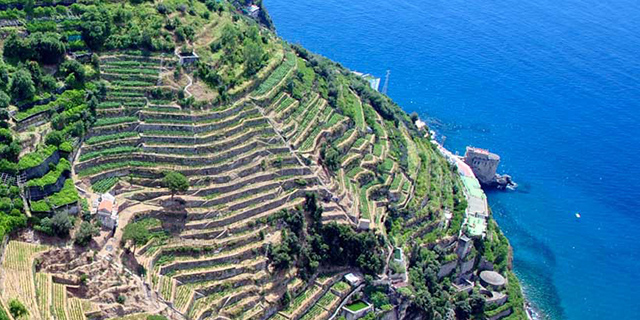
(106, 205)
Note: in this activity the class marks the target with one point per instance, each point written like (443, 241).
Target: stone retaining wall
(217, 136)
(37, 193)
(111, 129)
(41, 169)
(190, 161)
(127, 142)
(204, 150)
(215, 233)
(501, 315)
(447, 268)
(129, 77)
(219, 274)
(467, 266)
(255, 211)
(235, 258)
(124, 57)
(229, 112)
(202, 128)
(257, 180)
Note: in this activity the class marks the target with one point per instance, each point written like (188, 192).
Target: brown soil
(105, 281)
(201, 91)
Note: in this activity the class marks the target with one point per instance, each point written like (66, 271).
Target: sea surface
(553, 87)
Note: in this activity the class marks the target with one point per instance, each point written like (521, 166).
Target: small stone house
(107, 211)
(187, 59)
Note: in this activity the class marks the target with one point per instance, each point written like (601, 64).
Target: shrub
(17, 309)
(36, 158)
(85, 233)
(67, 195)
(22, 86)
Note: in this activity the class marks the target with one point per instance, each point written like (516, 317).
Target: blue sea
(553, 87)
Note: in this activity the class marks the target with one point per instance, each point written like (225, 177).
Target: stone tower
(483, 163)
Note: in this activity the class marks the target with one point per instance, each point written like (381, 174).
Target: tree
(379, 299)
(4, 75)
(54, 138)
(74, 67)
(331, 158)
(4, 100)
(137, 233)
(176, 182)
(48, 47)
(61, 224)
(253, 56)
(17, 309)
(22, 86)
(85, 233)
(96, 26)
(476, 303)
(17, 48)
(286, 299)
(228, 37)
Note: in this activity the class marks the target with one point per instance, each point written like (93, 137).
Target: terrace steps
(208, 233)
(235, 197)
(208, 147)
(260, 178)
(290, 114)
(236, 254)
(123, 166)
(242, 305)
(300, 136)
(219, 159)
(223, 272)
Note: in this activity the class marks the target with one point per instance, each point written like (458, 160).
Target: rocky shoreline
(499, 182)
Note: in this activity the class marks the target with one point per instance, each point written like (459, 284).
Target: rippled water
(553, 87)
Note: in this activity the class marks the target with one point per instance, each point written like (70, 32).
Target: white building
(253, 11)
(353, 279)
(107, 211)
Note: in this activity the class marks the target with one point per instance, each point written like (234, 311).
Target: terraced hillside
(248, 178)
(240, 172)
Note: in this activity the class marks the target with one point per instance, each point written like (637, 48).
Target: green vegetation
(110, 137)
(108, 152)
(67, 195)
(34, 159)
(104, 185)
(94, 69)
(342, 245)
(52, 176)
(110, 121)
(59, 225)
(85, 233)
(176, 182)
(278, 75)
(357, 306)
(17, 309)
(138, 232)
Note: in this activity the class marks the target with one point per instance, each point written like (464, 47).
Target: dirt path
(186, 88)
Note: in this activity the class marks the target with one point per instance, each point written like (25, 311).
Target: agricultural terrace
(327, 121)
(211, 258)
(19, 281)
(275, 143)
